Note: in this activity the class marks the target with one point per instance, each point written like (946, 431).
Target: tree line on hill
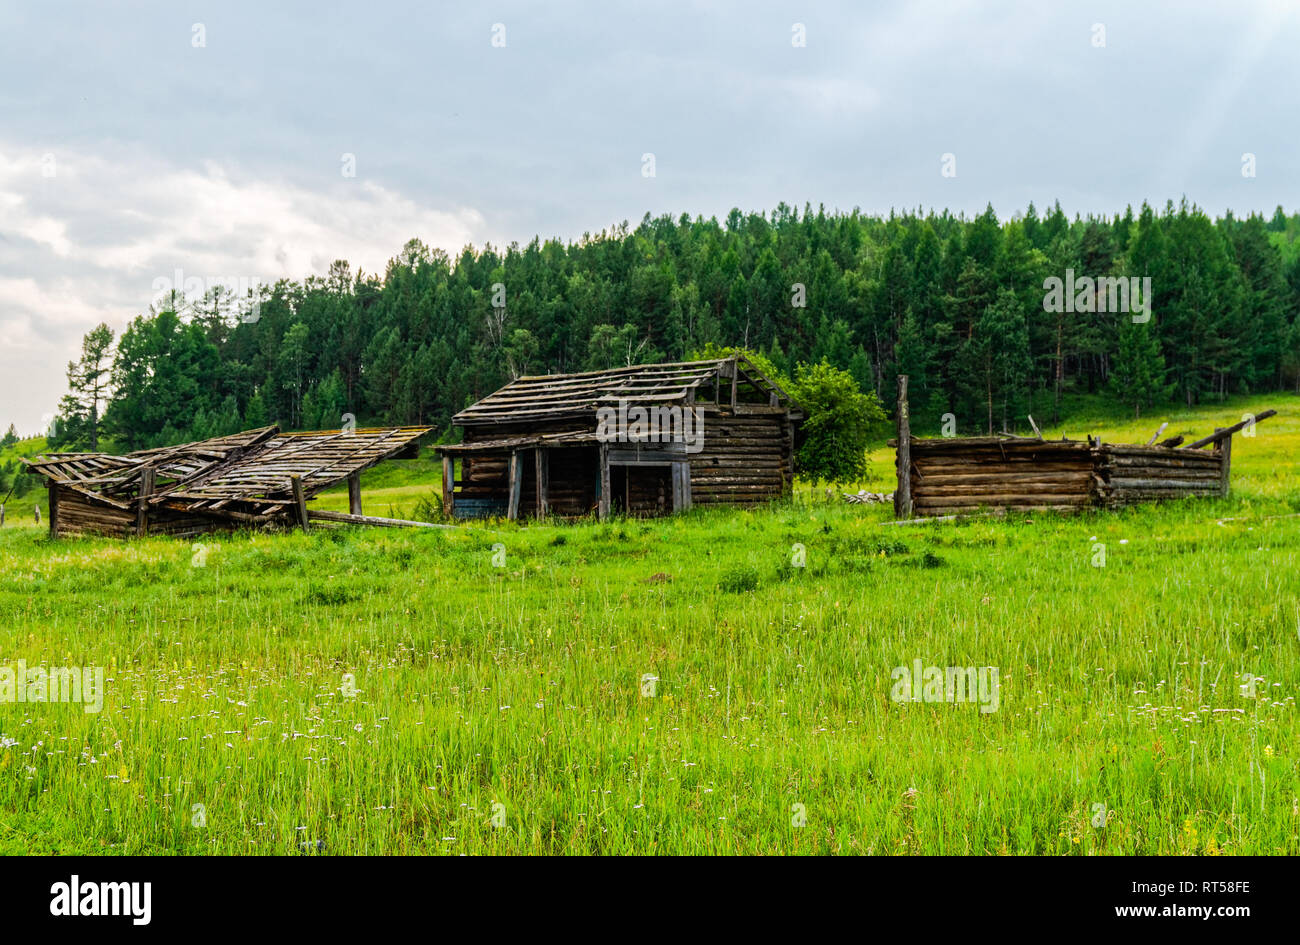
(960, 305)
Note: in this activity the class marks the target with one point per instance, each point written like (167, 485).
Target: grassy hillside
(22, 491)
(501, 701)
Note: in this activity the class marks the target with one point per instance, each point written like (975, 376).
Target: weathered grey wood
(632, 454)
(903, 492)
(449, 484)
(681, 486)
(1213, 484)
(323, 516)
(1007, 499)
(1048, 476)
(1178, 460)
(541, 461)
(147, 479)
(1037, 432)
(514, 486)
(299, 500)
(1155, 436)
(1225, 446)
(1229, 431)
(354, 493)
(602, 484)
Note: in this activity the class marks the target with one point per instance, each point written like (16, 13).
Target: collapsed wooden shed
(256, 478)
(954, 475)
(649, 439)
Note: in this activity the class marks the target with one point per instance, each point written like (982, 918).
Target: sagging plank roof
(245, 475)
(553, 396)
(520, 442)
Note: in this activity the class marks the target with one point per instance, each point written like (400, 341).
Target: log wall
(747, 457)
(950, 476)
(80, 515)
(1131, 474)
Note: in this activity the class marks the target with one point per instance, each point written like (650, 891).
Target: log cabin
(643, 440)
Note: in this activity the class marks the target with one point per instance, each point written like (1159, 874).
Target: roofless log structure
(256, 478)
(953, 475)
(645, 440)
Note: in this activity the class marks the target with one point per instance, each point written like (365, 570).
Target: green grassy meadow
(482, 690)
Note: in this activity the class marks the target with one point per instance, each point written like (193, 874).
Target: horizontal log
(1206, 460)
(1033, 476)
(997, 488)
(1006, 441)
(993, 459)
(1160, 472)
(345, 518)
(746, 492)
(955, 510)
(1131, 496)
(1002, 500)
(726, 474)
(1164, 484)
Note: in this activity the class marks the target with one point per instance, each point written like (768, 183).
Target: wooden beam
(320, 515)
(1155, 436)
(903, 493)
(1225, 446)
(515, 482)
(542, 462)
(1228, 431)
(299, 501)
(449, 485)
(681, 477)
(602, 484)
(147, 479)
(354, 493)
(1037, 432)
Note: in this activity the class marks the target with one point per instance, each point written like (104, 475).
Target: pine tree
(88, 380)
(1138, 371)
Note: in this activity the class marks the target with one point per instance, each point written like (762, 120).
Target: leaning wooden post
(903, 493)
(449, 485)
(142, 502)
(541, 462)
(512, 506)
(299, 501)
(602, 484)
(354, 493)
(1225, 447)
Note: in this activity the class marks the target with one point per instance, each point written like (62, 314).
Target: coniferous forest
(955, 303)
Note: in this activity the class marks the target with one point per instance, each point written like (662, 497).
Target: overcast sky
(138, 139)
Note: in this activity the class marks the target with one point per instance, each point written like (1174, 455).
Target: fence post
(299, 501)
(449, 485)
(142, 503)
(903, 493)
(354, 493)
(1225, 446)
